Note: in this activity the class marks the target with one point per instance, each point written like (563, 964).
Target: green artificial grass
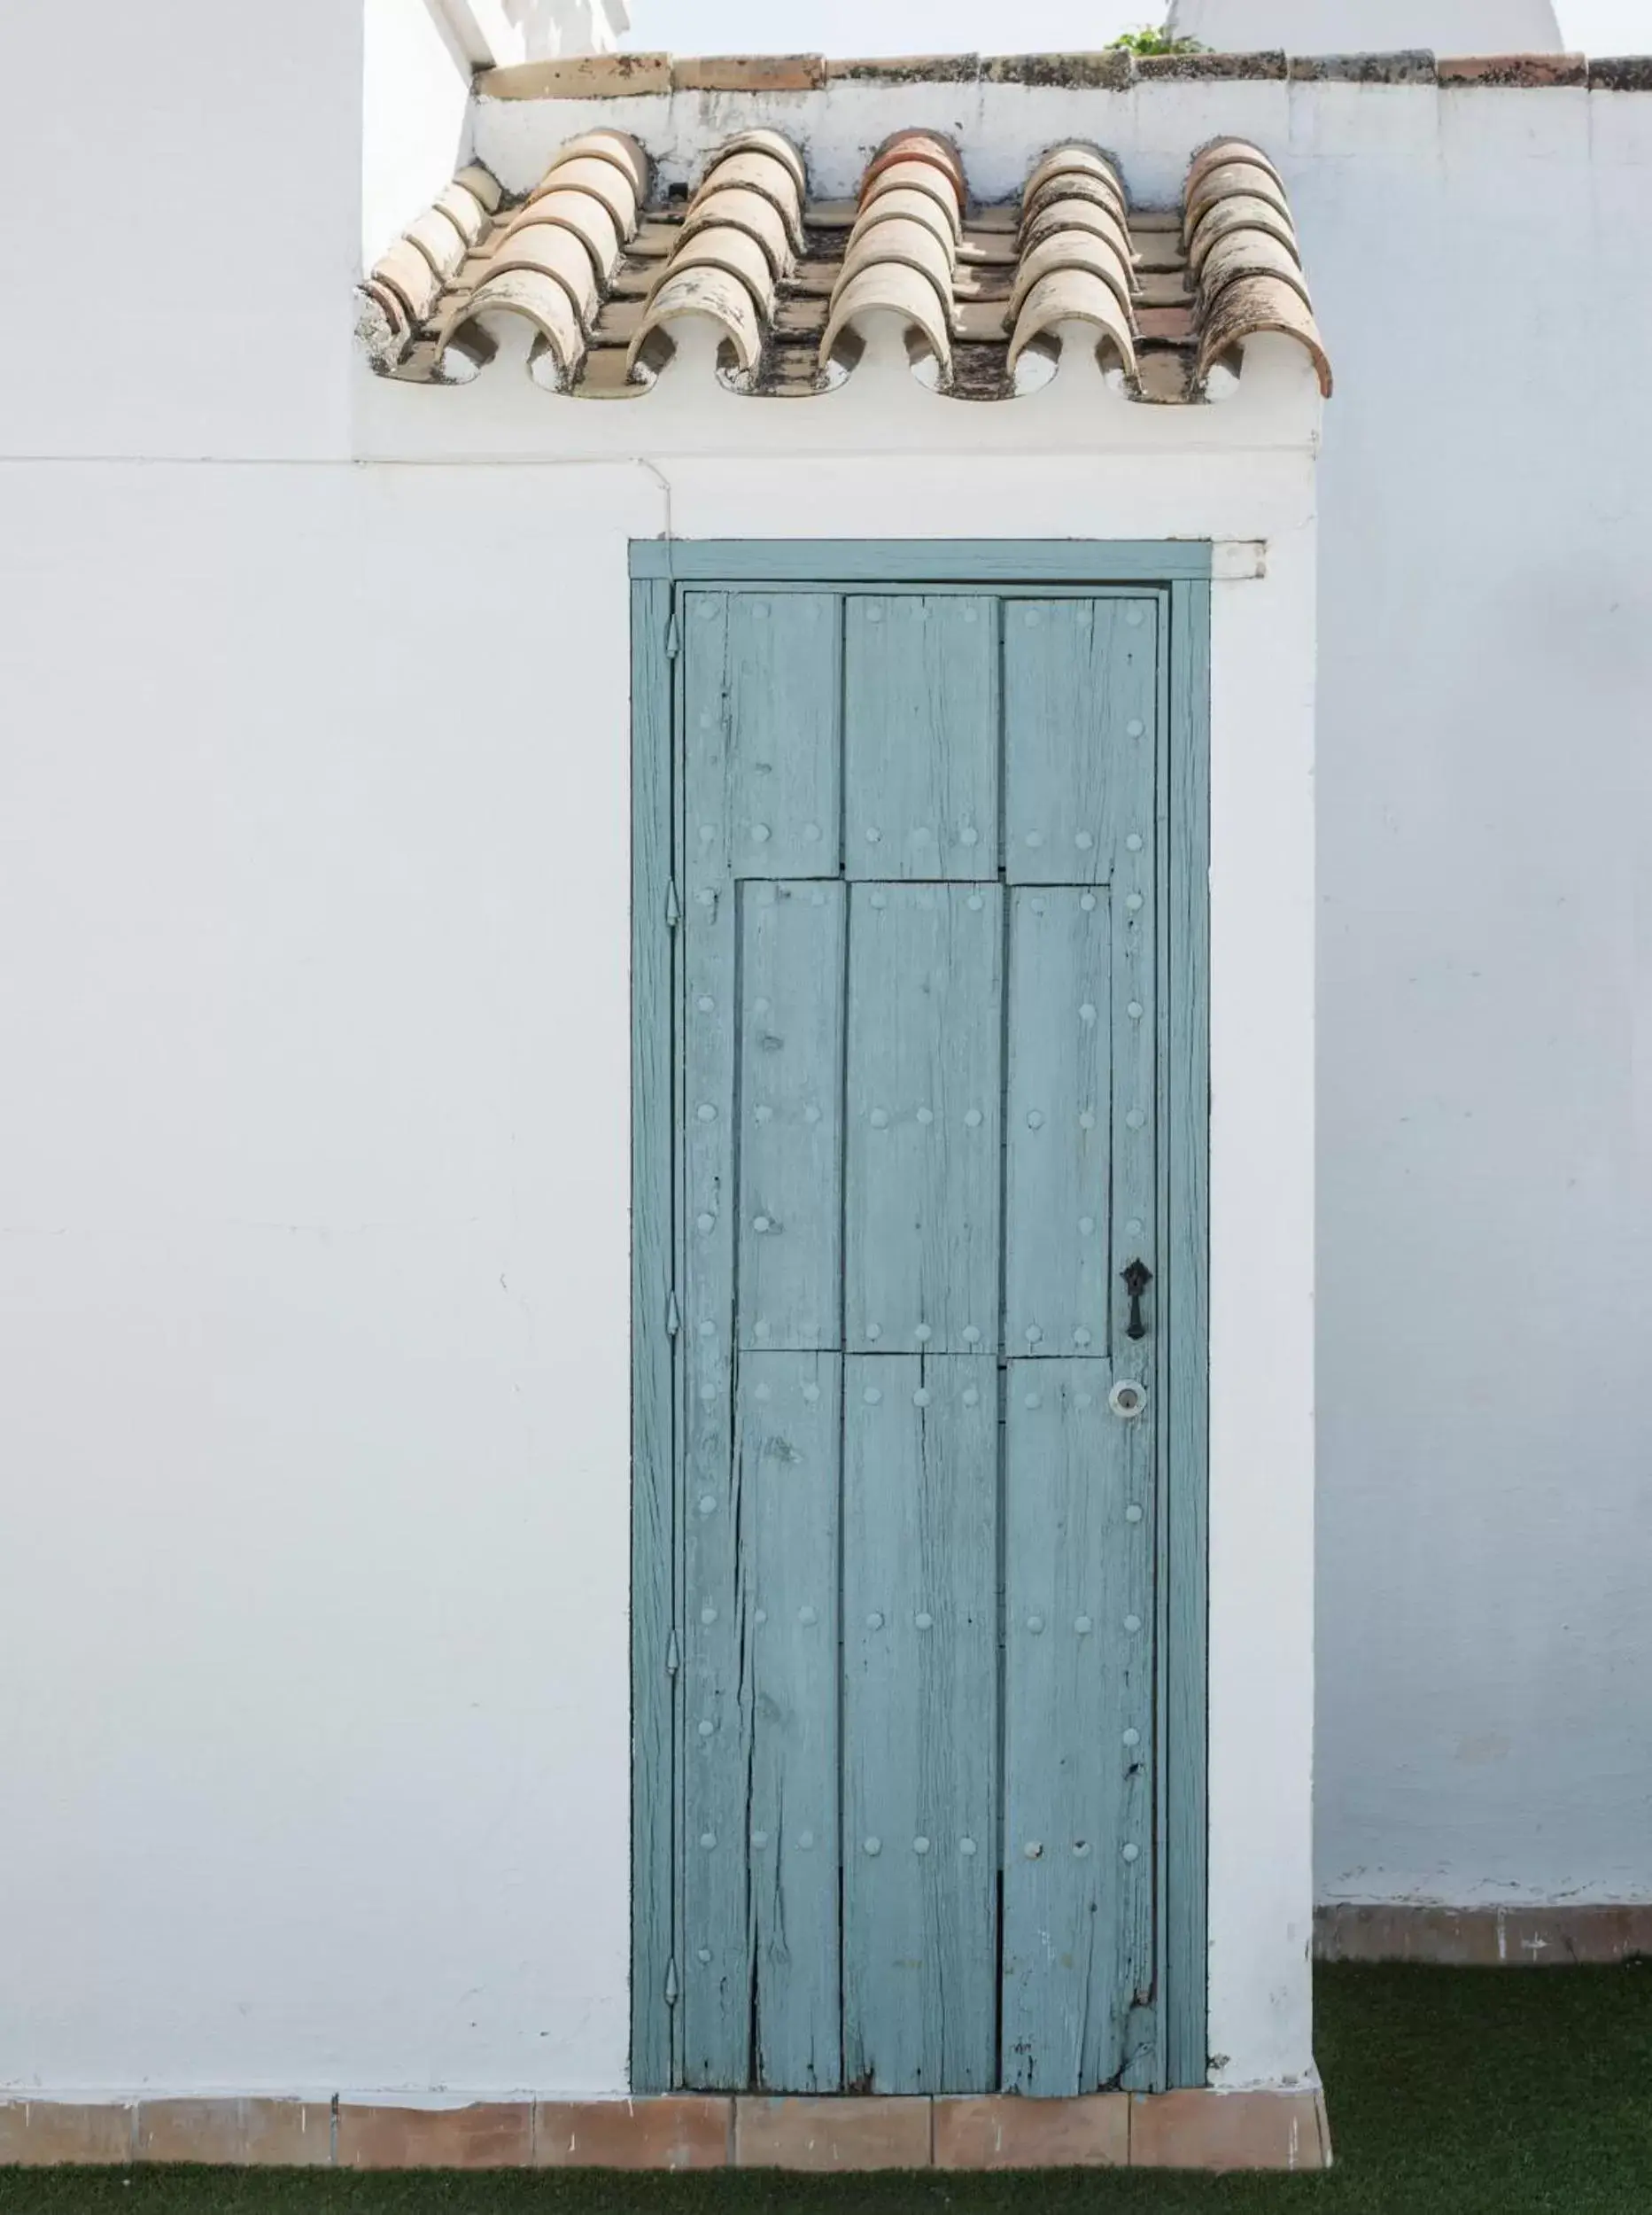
(1471, 2092)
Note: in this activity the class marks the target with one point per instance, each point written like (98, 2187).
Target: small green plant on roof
(1158, 42)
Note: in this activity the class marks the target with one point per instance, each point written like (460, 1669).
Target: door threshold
(1279, 2130)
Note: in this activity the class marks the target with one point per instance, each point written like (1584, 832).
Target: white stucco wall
(182, 220)
(320, 1367)
(1485, 996)
(312, 1601)
(415, 110)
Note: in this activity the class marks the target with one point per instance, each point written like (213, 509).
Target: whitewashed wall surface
(313, 1598)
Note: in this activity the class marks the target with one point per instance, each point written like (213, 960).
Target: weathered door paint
(904, 1564)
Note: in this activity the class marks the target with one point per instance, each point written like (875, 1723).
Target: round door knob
(1127, 1399)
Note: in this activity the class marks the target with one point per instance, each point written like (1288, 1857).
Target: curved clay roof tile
(1074, 158)
(762, 141)
(1243, 211)
(1252, 305)
(1062, 215)
(720, 246)
(888, 288)
(927, 146)
(916, 177)
(409, 275)
(1074, 296)
(1227, 181)
(1249, 252)
(483, 184)
(747, 211)
(1225, 150)
(440, 239)
(619, 147)
(1073, 250)
(710, 294)
(919, 244)
(604, 180)
(589, 219)
(554, 252)
(1062, 191)
(758, 172)
(465, 211)
(902, 206)
(543, 304)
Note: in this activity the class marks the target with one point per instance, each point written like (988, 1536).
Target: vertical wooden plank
(1133, 1231)
(784, 1718)
(921, 736)
(716, 1996)
(1184, 1307)
(1080, 704)
(922, 1194)
(1078, 1741)
(1058, 1138)
(920, 1723)
(782, 813)
(653, 1444)
(790, 1098)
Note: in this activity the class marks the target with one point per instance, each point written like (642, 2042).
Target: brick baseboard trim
(1475, 1938)
(1114, 2130)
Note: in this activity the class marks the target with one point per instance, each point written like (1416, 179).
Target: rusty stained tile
(1620, 72)
(655, 238)
(604, 375)
(1410, 64)
(1111, 69)
(44, 2134)
(1459, 1938)
(832, 2134)
(616, 323)
(997, 2132)
(264, 2133)
(799, 318)
(674, 2131)
(1175, 325)
(972, 284)
(982, 322)
(579, 77)
(987, 249)
(1157, 251)
(1522, 72)
(1178, 68)
(1227, 2131)
(491, 2134)
(906, 69)
(750, 73)
(1165, 375)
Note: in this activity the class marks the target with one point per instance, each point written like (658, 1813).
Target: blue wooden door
(913, 1799)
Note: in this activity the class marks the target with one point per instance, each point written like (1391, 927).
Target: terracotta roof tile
(1243, 259)
(606, 280)
(1527, 72)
